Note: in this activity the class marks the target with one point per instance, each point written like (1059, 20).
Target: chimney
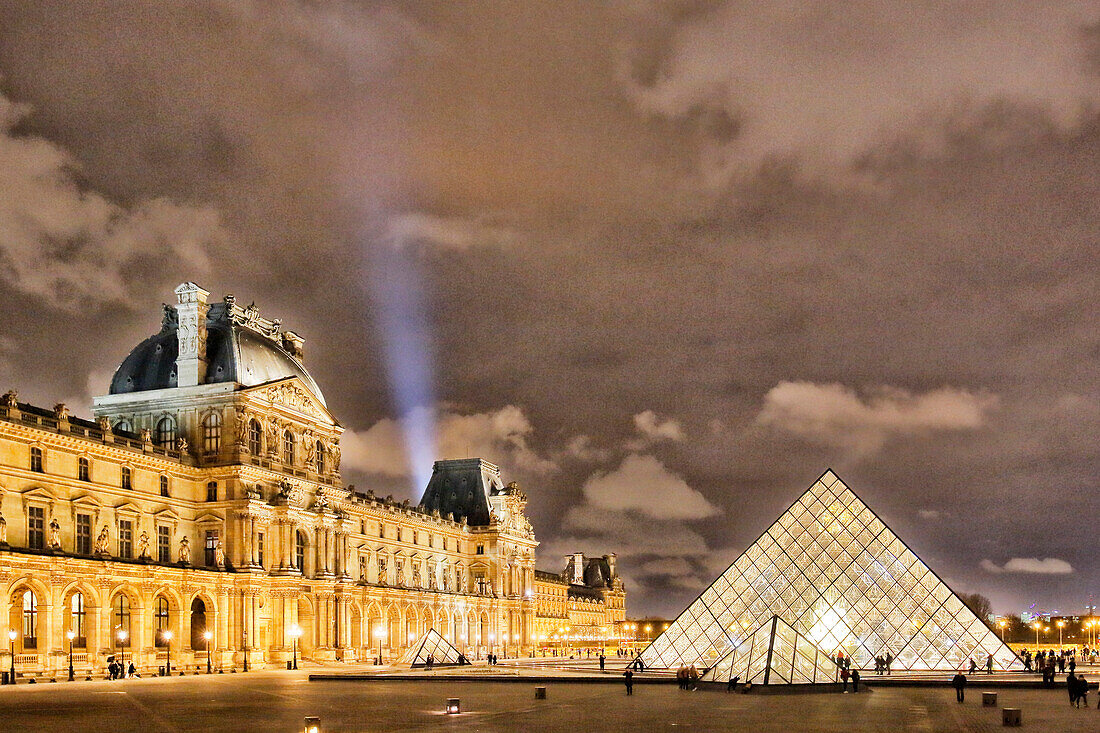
(611, 562)
(578, 568)
(191, 333)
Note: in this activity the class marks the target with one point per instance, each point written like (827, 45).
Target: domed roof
(239, 348)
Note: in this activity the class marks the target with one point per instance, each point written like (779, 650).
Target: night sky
(663, 262)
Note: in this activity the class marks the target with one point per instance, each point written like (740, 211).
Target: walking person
(855, 680)
(602, 660)
(889, 661)
(844, 678)
(1071, 688)
(973, 666)
(1083, 690)
(628, 678)
(959, 683)
(989, 664)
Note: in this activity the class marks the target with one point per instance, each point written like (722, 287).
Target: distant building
(206, 498)
(582, 606)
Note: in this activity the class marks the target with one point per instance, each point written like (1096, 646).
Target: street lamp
(1036, 626)
(1002, 623)
(379, 631)
(167, 636)
(70, 634)
(295, 632)
(122, 649)
(1061, 623)
(207, 636)
(11, 639)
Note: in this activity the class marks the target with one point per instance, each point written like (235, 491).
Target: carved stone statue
(143, 546)
(102, 542)
(416, 575)
(219, 555)
(3, 530)
(382, 576)
(181, 444)
(240, 427)
(146, 436)
(185, 551)
(104, 423)
(10, 399)
(61, 411)
(55, 534)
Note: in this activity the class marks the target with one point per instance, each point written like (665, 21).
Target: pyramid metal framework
(775, 654)
(431, 643)
(831, 569)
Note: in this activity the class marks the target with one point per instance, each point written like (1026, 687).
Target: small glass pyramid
(775, 654)
(840, 577)
(431, 644)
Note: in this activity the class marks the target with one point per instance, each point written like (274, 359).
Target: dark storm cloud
(672, 210)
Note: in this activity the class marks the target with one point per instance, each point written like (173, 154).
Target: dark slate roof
(234, 353)
(462, 487)
(597, 572)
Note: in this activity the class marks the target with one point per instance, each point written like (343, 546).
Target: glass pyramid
(775, 654)
(431, 643)
(840, 577)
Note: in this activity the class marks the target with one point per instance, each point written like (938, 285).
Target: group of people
(847, 674)
(491, 659)
(1050, 663)
(1078, 688)
(118, 670)
(988, 665)
(688, 677)
(882, 663)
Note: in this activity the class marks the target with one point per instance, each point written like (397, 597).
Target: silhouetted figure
(959, 683)
(628, 678)
(855, 680)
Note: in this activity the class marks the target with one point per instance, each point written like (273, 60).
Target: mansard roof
(240, 347)
(462, 487)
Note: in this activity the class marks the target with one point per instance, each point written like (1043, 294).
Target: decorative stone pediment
(167, 515)
(208, 518)
(128, 508)
(290, 394)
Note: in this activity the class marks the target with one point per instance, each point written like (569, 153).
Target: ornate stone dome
(240, 347)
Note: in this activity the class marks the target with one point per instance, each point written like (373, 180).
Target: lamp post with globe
(122, 650)
(295, 632)
(70, 635)
(11, 640)
(207, 636)
(167, 636)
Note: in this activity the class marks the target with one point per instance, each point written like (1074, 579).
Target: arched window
(212, 433)
(320, 457)
(160, 621)
(166, 432)
(300, 551)
(77, 620)
(30, 620)
(255, 437)
(127, 478)
(122, 620)
(288, 448)
(123, 426)
(36, 459)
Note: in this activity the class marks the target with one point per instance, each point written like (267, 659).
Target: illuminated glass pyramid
(431, 643)
(775, 654)
(840, 577)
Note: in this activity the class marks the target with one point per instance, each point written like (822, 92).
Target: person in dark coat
(855, 680)
(1071, 688)
(602, 660)
(959, 683)
(1082, 691)
(844, 677)
(973, 666)
(732, 684)
(889, 661)
(628, 678)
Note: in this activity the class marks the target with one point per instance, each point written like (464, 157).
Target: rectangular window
(84, 534)
(414, 536)
(480, 549)
(212, 491)
(260, 548)
(127, 478)
(83, 472)
(164, 547)
(164, 486)
(36, 527)
(36, 460)
(209, 546)
(125, 538)
(381, 530)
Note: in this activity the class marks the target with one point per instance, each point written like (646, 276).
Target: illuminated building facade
(583, 606)
(202, 512)
(841, 578)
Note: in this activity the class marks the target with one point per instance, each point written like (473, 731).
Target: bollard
(540, 693)
(989, 699)
(1010, 717)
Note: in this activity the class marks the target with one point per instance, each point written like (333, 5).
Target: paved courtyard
(278, 701)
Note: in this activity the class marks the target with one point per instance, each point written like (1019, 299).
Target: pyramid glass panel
(774, 654)
(434, 645)
(842, 581)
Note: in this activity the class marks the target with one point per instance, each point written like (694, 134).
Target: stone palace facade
(202, 512)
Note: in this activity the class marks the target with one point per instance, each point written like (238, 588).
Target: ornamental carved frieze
(293, 396)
